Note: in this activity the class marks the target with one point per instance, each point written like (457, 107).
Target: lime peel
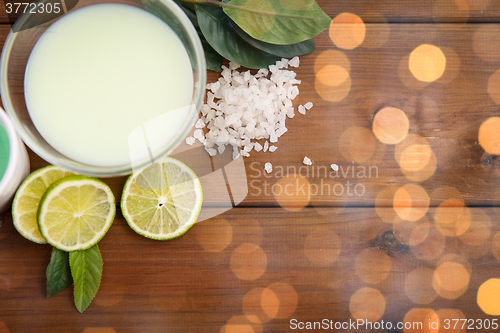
(162, 201)
(27, 199)
(76, 212)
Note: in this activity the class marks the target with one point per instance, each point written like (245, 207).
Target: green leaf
(215, 26)
(213, 59)
(86, 269)
(58, 272)
(279, 21)
(286, 51)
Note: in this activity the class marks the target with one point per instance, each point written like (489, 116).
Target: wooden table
(278, 260)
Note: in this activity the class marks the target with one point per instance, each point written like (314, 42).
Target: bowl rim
(14, 151)
(198, 61)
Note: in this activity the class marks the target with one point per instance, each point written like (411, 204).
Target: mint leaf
(86, 269)
(278, 21)
(58, 272)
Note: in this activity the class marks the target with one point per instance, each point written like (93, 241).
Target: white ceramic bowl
(19, 164)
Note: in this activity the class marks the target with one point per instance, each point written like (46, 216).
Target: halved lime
(27, 199)
(163, 200)
(76, 212)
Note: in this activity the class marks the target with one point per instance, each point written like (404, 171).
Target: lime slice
(28, 195)
(76, 212)
(163, 200)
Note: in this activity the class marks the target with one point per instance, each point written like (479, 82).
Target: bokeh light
(377, 31)
(332, 93)
(247, 230)
(495, 246)
(452, 218)
(415, 157)
(479, 229)
(450, 279)
(415, 316)
(347, 31)
(494, 87)
(372, 265)
(332, 57)
(450, 11)
(252, 305)
(3, 328)
(248, 261)
(99, 330)
(384, 205)
(390, 125)
(418, 286)
(453, 64)
(214, 235)
(478, 4)
(279, 300)
(406, 77)
(489, 135)
(322, 246)
(427, 63)
(328, 85)
(367, 304)
(432, 247)
(413, 233)
(451, 316)
(357, 144)
(332, 75)
(241, 324)
(486, 42)
(292, 192)
(488, 295)
(411, 202)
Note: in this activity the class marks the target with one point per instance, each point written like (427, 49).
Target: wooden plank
(447, 113)
(206, 278)
(408, 11)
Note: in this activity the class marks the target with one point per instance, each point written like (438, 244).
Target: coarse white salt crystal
(198, 134)
(190, 140)
(284, 61)
(281, 131)
(268, 167)
(199, 123)
(334, 167)
(302, 109)
(307, 161)
(221, 147)
(242, 108)
(273, 69)
(211, 151)
(294, 62)
(233, 65)
(308, 105)
(273, 148)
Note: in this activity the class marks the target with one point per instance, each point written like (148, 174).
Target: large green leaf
(279, 21)
(286, 51)
(213, 59)
(86, 269)
(215, 26)
(58, 272)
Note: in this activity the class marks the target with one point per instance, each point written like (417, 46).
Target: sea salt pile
(242, 108)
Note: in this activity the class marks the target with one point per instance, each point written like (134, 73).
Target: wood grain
(447, 114)
(196, 283)
(407, 11)
(178, 286)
